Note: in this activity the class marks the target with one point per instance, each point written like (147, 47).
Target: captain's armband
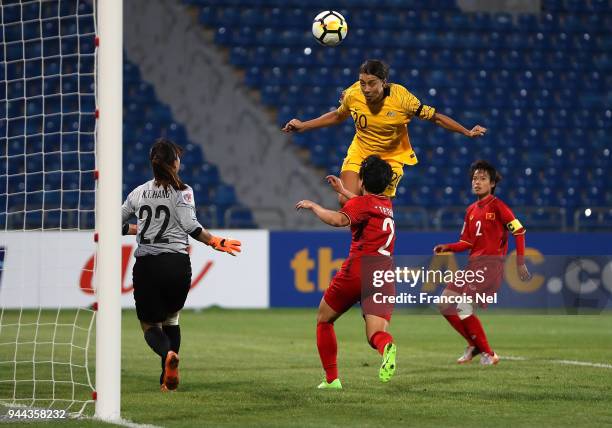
(514, 225)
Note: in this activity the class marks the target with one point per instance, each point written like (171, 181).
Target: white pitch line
(122, 422)
(130, 424)
(583, 363)
(567, 362)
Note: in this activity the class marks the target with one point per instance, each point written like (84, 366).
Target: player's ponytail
(162, 156)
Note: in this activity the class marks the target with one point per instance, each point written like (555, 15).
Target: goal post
(108, 205)
(60, 196)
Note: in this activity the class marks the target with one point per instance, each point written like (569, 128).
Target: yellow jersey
(384, 132)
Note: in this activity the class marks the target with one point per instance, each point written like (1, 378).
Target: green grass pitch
(261, 368)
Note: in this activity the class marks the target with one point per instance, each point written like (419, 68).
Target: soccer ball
(329, 28)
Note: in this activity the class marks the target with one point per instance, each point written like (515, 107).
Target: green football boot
(335, 384)
(387, 368)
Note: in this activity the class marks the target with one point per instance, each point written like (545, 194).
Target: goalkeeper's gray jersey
(165, 218)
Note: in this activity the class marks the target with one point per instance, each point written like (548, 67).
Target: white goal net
(47, 201)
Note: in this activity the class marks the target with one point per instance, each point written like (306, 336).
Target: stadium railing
(592, 219)
(542, 218)
(534, 218)
(411, 218)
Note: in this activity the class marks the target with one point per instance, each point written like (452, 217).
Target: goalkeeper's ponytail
(163, 155)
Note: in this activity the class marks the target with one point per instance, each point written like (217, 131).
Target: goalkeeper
(165, 210)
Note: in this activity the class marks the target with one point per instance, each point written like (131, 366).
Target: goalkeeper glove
(225, 245)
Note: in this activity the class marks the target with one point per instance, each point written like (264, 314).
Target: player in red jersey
(485, 234)
(370, 216)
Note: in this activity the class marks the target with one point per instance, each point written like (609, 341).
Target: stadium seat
(157, 121)
(516, 75)
(54, 160)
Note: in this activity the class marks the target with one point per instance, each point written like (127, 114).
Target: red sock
(476, 332)
(379, 340)
(328, 349)
(455, 321)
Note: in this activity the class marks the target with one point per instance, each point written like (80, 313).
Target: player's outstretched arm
(336, 184)
(440, 248)
(225, 245)
(455, 247)
(327, 119)
(333, 218)
(452, 125)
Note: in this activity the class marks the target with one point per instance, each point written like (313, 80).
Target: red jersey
(486, 227)
(372, 226)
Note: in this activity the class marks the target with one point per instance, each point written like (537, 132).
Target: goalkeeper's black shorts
(161, 284)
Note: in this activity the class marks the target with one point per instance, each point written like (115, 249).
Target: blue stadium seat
(242, 218)
(52, 219)
(223, 196)
(34, 220)
(56, 170)
(518, 76)
(158, 120)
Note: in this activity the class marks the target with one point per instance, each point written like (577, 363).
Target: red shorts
(348, 287)
(489, 275)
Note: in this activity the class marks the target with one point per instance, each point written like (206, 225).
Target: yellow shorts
(352, 162)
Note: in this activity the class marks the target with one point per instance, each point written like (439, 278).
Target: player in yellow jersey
(381, 112)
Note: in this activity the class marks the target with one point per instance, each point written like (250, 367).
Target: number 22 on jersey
(146, 209)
